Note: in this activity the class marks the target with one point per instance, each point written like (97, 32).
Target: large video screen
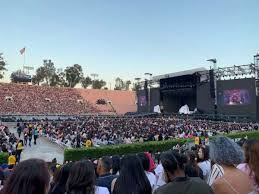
(235, 97)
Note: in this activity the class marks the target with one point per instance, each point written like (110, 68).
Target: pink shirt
(245, 168)
(152, 165)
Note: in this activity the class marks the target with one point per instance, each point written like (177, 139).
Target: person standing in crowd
(88, 143)
(225, 153)
(159, 172)
(19, 149)
(115, 165)
(11, 160)
(132, 178)
(29, 177)
(30, 136)
(177, 181)
(245, 166)
(145, 163)
(82, 179)
(19, 130)
(78, 140)
(191, 168)
(25, 138)
(59, 186)
(104, 167)
(152, 165)
(253, 164)
(204, 162)
(35, 135)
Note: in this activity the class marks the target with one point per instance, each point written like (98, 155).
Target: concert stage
(233, 89)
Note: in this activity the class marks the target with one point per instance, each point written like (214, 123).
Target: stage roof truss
(236, 71)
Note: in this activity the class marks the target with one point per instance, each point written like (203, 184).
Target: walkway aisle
(44, 149)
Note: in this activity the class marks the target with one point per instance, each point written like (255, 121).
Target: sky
(127, 38)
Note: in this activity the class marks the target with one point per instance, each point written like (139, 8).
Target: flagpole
(23, 60)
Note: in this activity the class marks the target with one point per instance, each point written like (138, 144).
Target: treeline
(49, 75)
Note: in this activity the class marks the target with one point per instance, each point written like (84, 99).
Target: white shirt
(101, 190)
(152, 179)
(216, 172)
(206, 169)
(159, 170)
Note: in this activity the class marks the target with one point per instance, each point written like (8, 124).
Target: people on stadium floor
(19, 149)
(12, 160)
(35, 135)
(82, 179)
(7, 139)
(103, 170)
(225, 178)
(106, 131)
(19, 130)
(28, 177)
(132, 178)
(177, 181)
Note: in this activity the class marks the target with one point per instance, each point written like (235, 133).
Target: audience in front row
(254, 165)
(132, 178)
(103, 170)
(227, 154)
(177, 173)
(29, 177)
(82, 180)
(177, 181)
(204, 162)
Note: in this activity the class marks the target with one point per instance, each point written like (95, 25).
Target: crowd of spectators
(123, 130)
(230, 171)
(7, 139)
(28, 99)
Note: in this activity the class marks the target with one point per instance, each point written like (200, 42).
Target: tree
(98, 84)
(74, 74)
(2, 66)
(86, 81)
(48, 71)
(46, 74)
(62, 79)
(39, 76)
(54, 80)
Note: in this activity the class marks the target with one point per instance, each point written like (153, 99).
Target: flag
(22, 50)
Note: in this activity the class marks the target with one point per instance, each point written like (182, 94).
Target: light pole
(256, 60)
(149, 90)
(214, 61)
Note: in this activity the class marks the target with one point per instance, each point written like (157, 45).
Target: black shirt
(185, 185)
(106, 180)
